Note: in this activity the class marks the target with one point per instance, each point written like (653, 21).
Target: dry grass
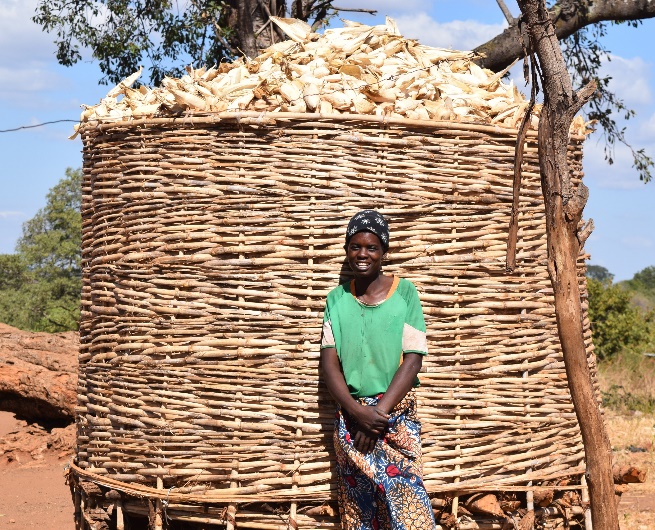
(628, 384)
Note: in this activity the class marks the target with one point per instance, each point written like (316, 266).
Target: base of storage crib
(99, 507)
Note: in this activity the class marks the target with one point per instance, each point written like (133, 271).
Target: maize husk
(354, 69)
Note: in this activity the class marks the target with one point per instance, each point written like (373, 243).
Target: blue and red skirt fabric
(383, 490)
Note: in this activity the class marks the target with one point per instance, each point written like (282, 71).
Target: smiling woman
(371, 352)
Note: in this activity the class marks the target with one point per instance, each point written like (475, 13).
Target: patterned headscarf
(369, 221)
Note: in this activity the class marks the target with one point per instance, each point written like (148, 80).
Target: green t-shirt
(370, 339)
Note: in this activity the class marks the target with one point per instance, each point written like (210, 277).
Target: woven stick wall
(209, 246)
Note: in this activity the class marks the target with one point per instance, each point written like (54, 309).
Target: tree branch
(500, 51)
(508, 14)
(369, 11)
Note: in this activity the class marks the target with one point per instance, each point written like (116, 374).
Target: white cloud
(630, 79)
(456, 34)
(32, 78)
(26, 57)
(21, 40)
(382, 7)
(647, 129)
(618, 176)
(9, 213)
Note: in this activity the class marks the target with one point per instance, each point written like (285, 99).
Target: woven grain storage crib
(209, 245)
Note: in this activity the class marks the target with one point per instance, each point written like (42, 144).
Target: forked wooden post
(564, 206)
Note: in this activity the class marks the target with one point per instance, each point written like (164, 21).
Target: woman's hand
(365, 442)
(370, 419)
(402, 382)
(370, 424)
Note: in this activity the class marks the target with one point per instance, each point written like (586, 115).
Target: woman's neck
(372, 290)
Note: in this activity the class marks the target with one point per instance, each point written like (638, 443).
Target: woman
(371, 352)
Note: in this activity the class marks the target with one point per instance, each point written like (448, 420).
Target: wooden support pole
(529, 495)
(159, 518)
(120, 516)
(588, 524)
(231, 513)
(77, 503)
(564, 206)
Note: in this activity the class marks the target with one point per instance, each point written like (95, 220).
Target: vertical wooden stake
(231, 514)
(588, 524)
(77, 502)
(82, 510)
(293, 512)
(458, 417)
(120, 520)
(159, 519)
(529, 495)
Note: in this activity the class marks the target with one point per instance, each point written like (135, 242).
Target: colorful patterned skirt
(383, 490)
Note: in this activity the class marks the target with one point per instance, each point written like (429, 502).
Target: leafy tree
(642, 288)
(615, 323)
(41, 283)
(645, 278)
(599, 273)
(12, 271)
(122, 34)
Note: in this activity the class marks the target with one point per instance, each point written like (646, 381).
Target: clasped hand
(371, 423)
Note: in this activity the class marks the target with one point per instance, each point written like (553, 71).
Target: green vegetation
(616, 323)
(622, 319)
(40, 284)
(642, 289)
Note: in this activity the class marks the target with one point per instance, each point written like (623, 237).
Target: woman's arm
(402, 382)
(371, 420)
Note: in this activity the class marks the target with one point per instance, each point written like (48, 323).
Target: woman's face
(364, 254)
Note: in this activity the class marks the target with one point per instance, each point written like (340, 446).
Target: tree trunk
(247, 41)
(564, 207)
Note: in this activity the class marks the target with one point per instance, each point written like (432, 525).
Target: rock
(543, 496)
(628, 474)
(30, 442)
(38, 374)
(486, 503)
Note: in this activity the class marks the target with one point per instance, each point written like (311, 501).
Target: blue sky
(35, 89)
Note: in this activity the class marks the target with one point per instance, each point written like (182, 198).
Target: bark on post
(564, 206)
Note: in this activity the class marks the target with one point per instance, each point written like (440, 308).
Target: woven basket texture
(209, 247)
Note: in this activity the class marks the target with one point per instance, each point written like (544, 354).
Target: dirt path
(633, 439)
(32, 489)
(35, 497)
